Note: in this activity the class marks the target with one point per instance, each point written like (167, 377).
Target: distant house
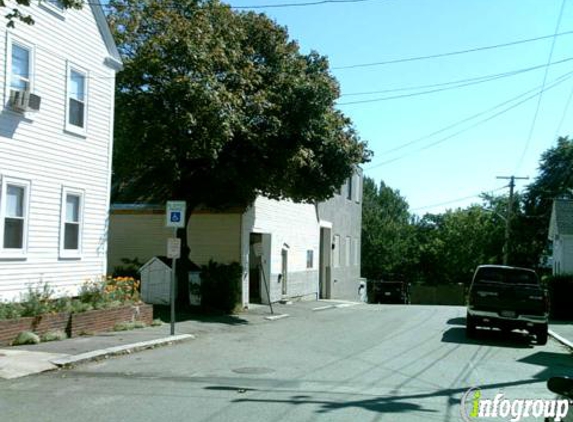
(287, 250)
(561, 234)
(56, 127)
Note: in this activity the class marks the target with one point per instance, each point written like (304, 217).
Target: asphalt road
(360, 363)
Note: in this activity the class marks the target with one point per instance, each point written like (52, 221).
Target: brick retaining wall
(74, 325)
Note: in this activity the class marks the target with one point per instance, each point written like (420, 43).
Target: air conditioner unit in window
(24, 100)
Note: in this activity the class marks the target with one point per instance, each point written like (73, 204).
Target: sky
(442, 149)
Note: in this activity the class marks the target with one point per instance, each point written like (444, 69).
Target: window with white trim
(347, 251)
(71, 223)
(20, 66)
(14, 198)
(76, 100)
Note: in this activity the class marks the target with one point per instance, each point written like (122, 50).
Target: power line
(462, 121)
(451, 53)
(304, 4)
(558, 81)
(432, 91)
(565, 110)
(485, 78)
(453, 201)
(534, 121)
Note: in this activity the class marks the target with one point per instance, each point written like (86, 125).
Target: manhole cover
(253, 370)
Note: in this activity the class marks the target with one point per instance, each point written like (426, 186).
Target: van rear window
(506, 275)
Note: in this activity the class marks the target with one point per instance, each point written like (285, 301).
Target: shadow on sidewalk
(197, 314)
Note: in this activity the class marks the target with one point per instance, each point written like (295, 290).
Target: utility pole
(506, 247)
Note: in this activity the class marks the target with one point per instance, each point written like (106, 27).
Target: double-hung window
(71, 223)
(21, 60)
(14, 198)
(76, 114)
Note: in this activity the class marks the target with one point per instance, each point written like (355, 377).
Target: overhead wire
(455, 83)
(454, 86)
(540, 98)
(302, 4)
(453, 201)
(555, 83)
(452, 53)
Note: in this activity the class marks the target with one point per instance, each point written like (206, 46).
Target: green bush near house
(54, 336)
(221, 286)
(26, 337)
(560, 289)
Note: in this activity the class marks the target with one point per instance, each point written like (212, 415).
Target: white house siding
(143, 235)
(37, 149)
(293, 227)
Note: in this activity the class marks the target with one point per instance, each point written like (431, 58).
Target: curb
(560, 339)
(119, 350)
(276, 317)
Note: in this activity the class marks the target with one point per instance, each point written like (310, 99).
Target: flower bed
(90, 322)
(101, 305)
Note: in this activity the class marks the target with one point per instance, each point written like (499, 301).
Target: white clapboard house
(56, 128)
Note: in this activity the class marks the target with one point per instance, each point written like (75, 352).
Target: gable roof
(562, 217)
(114, 59)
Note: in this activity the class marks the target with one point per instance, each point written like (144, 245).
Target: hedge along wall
(561, 296)
(74, 325)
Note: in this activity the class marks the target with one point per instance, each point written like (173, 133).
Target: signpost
(175, 218)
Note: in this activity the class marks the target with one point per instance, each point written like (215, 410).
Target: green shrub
(37, 300)
(221, 286)
(124, 326)
(139, 324)
(10, 310)
(157, 323)
(129, 269)
(77, 306)
(54, 336)
(26, 337)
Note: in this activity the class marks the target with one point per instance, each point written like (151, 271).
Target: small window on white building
(54, 4)
(76, 100)
(336, 251)
(347, 251)
(356, 251)
(310, 258)
(14, 199)
(349, 188)
(357, 188)
(71, 224)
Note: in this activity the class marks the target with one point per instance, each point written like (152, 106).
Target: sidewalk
(562, 331)
(19, 361)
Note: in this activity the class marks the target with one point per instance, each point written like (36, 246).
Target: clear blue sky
(467, 163)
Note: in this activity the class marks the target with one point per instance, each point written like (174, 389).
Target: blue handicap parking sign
(175, 216)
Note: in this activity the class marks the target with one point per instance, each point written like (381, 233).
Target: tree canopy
(215, 107)
(16, 14)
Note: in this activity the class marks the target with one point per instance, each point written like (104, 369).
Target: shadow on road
(164, 314)
(457, 321)
(487, 337)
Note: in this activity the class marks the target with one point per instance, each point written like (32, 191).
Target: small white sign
(175, 214)
(174, 248)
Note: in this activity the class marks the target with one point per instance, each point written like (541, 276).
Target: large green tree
(388, 246)
(215, 107)
(15, 12)
(454, 243)
(555, 180)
